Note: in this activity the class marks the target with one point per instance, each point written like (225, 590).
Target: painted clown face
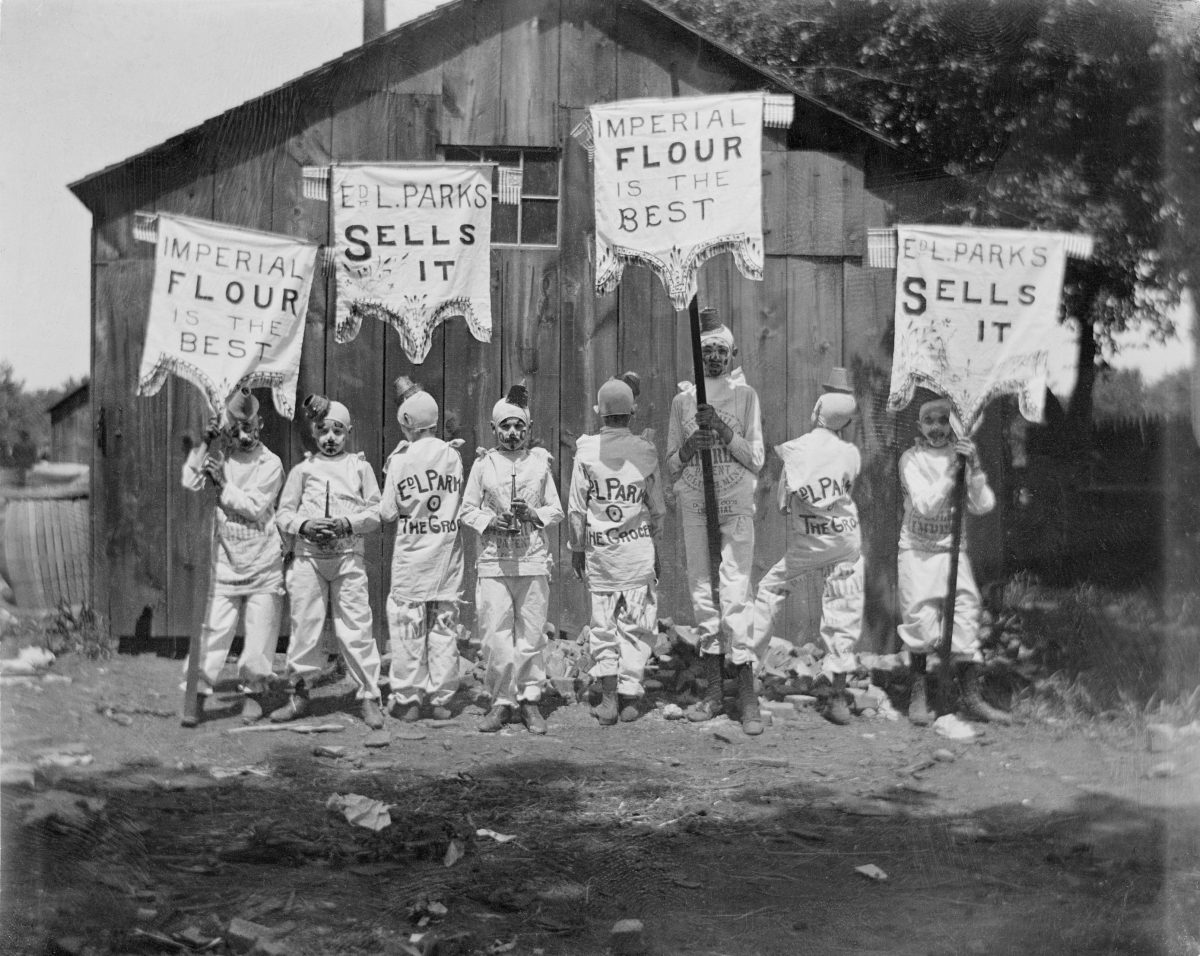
(717, 357)
(244, 435)
(330, 436)
(935, 426)
(511, 434)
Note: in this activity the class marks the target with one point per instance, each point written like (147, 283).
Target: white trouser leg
(441, 643)
(729, 631)
(352, 623)
(922, 578)
(406, 643)
(841, 616)
(263, 612)
(512, 619)
(216, 637)
(621, 636)
(308, 595)
(533, 603)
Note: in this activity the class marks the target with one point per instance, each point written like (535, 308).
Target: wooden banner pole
(711, 514)
(945, 671)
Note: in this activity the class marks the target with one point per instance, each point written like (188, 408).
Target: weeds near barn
(68, 629)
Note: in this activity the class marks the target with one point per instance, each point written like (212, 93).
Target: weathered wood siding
(517, 73)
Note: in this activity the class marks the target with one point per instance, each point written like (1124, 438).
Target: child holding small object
(819, 470)
(614, 512)
(509, 502)
(330, 501)
(247, 552)
(422, 491)
(927, 473)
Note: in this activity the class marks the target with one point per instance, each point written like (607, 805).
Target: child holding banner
(730, 427)
(614, 512)
(927, 478)
(422, 491)
(819, 469)
(509, 502)
(247, 553)
(329, 502)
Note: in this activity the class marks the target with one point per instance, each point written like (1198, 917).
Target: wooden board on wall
(824, 205)
(529, 44)
(471, 106)
(588, 54)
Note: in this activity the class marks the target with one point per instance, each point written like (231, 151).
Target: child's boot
(973, 704)
(296, 707)
(531, 716)
(918, 707)
(837, 711)
(751, 715)
(409, 713)
(712, 703)
(495, 719)
(252, 708)
(605, 712)
(629, 709)
(371, 714)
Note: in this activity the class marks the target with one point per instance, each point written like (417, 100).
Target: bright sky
(86, 83)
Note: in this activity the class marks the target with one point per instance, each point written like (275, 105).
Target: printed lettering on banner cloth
(677, 182)
(976, 315)
(227, 310)
(412, 246)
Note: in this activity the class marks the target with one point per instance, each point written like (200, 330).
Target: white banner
(412, 247)
(677, 182)
(227, 310)
(976, 315)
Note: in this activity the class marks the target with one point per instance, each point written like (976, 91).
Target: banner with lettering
(412, 248)
(227, 310)
(976, 315)
(677, 182)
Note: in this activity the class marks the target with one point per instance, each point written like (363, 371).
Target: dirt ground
(140, 836)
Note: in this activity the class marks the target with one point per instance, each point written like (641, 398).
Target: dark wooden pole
(945, 671)
(711, 515)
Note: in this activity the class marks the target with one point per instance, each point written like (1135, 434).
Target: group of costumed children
(615, 510)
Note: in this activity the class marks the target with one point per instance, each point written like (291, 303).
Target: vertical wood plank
(529, 73)
(587, 55)
(471, 83)
(189, 515)
(824, 205)
(775, 202)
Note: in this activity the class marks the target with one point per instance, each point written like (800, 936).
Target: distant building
(71, 427)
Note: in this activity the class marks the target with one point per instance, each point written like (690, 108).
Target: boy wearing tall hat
(729, 425)
(614, 513)
(247, 552)
(819, 471)
(330, 501)
(422, 491)
(927, 473)
(510, 501)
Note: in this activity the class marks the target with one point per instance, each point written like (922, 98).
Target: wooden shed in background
(71, 427)
(503, 80)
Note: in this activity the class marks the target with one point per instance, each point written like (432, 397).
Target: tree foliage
(23, 410)
(1073, 115)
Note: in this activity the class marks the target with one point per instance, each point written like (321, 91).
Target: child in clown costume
(422, 491)
(509, 502)
(927, 478)
(247, 552)
(729, 425)
(819, 469)
(330, 501)
(614, 513)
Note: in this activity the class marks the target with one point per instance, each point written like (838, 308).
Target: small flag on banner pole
(583, 133)
(778, 109)
(511, 180)
(145, 227)
(316, 182)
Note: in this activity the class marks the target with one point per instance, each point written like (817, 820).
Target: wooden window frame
(548, 152)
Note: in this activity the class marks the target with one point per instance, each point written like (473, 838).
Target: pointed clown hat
(514, 405)
(242, 406)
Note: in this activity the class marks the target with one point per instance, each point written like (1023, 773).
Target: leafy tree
(25, 411)
(1073, 115)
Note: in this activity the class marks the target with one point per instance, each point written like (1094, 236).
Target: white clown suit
(331, 573)
(422, 491)
(246, 565)
(927, 478)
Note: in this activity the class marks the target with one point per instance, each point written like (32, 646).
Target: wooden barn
(71, 427)
(501, 80)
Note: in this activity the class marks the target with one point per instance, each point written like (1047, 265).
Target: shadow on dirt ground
(1033, 839)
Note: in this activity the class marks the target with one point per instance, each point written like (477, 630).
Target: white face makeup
(244, 435)
(717, 357)
(330, 436)
(935, 427)
(511, 434)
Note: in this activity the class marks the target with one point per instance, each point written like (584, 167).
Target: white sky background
(88, 83)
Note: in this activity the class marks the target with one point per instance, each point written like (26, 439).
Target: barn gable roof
(90, 189)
